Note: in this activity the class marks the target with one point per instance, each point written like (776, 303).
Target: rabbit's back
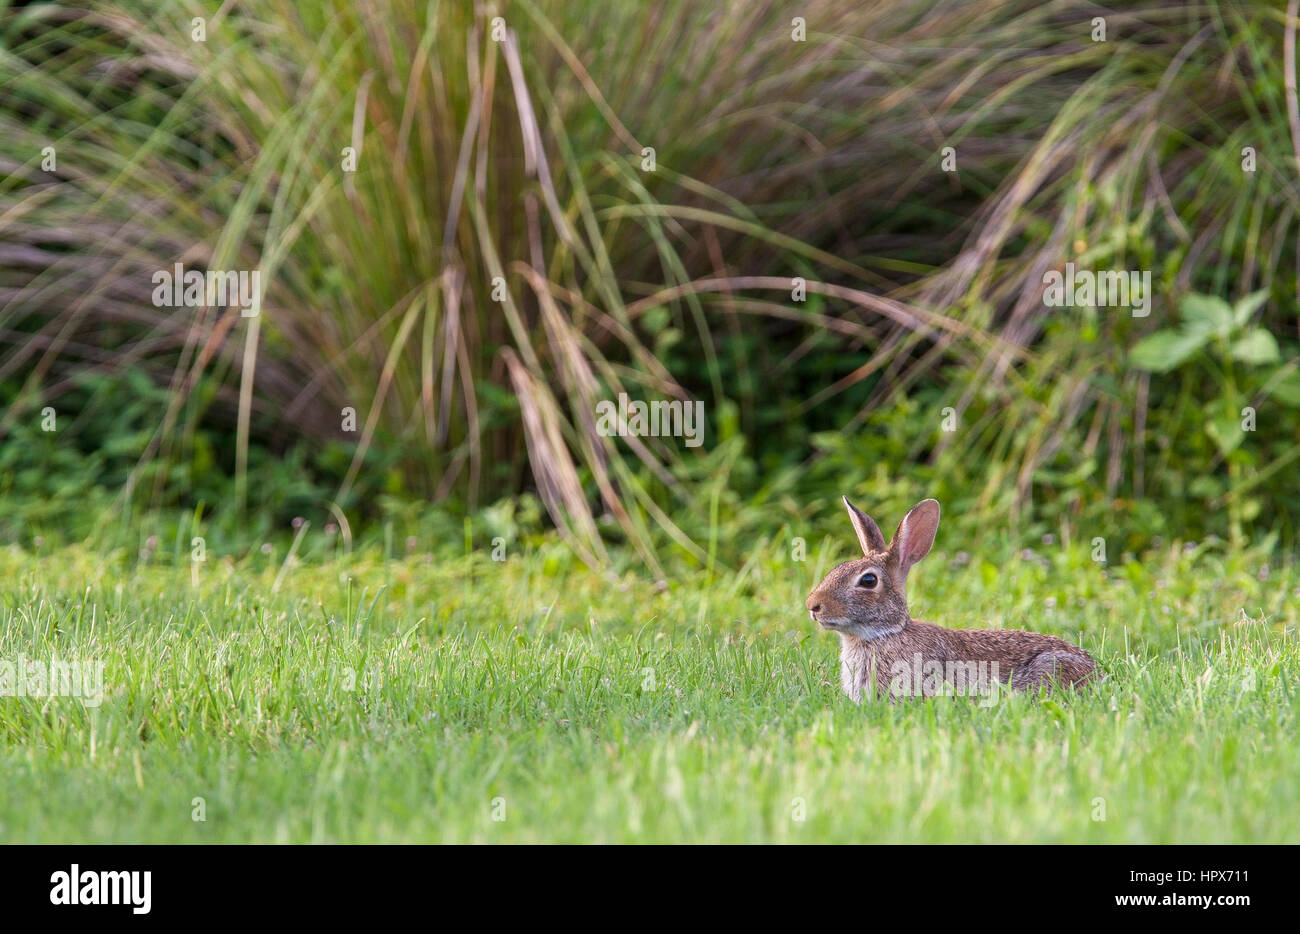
(925, 659)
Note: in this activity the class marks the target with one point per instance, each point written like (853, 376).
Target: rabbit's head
(867, 597)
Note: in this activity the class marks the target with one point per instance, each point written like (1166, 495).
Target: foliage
(522, 159)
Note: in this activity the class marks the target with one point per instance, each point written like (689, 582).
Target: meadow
(461, 699)
(361, 558)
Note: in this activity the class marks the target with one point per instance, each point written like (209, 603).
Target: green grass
(606, 709)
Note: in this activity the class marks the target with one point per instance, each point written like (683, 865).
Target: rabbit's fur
(865, 601)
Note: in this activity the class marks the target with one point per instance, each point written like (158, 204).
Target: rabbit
(865, 601)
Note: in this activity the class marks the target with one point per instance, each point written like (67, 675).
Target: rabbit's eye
(868, 580)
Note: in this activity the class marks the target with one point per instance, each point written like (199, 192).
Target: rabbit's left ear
(915, 534)
(869, 536)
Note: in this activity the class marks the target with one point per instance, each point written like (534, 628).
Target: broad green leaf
(1226, 432)
(1207, 486)
(1256, 346)
(1164, 350)
(1206, 313)
(1242, 311)
(1287, 387)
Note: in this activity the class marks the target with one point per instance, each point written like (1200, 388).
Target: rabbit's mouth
(836, 623)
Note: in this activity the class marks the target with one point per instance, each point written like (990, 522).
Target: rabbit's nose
(813, 604)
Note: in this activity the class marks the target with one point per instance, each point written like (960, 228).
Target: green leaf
(1256, 346)
(655, 319)
(1165, 350)
(1287, 387)
(1242, 311)
(1226, 432)
(1206, 313)
(1207, 486)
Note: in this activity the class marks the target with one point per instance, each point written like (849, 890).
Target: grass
(500, 260)
(603, 708)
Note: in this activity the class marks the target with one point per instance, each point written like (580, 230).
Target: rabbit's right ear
(915, 534)
(869, 536)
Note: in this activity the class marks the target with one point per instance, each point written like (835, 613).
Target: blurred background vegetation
(520, 150)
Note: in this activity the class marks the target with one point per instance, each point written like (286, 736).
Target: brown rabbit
(866, 603)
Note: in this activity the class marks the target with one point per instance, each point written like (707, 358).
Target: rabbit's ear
(869, 536)
(915, 534)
